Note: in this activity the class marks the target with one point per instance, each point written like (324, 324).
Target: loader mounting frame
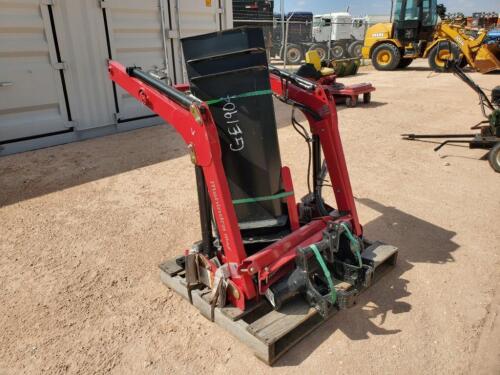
(270, 333)
(248, 277)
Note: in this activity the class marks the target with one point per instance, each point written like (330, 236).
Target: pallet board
(269, 333)
(270, 336)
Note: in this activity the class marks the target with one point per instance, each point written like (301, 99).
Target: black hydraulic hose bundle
(177, 96)
(319, 178)
(318, 191)
(318, 184)
(304, 134)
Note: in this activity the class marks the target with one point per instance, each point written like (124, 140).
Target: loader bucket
(488, 58)
(345, 67)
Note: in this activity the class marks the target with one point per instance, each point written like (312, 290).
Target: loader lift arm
(192, 119)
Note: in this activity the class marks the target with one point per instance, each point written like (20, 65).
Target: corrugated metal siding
(135, 33)
(82, 40)
(30, 87)
(87, 33)
(196, 17)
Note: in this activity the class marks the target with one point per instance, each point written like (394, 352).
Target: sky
(376, 7)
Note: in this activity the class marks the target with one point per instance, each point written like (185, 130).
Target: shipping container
(54, 87)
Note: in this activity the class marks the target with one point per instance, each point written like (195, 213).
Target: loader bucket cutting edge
(488, 58)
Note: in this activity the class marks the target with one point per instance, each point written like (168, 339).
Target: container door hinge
(103, 4)
(219, 11)
(48, 2)
(60, 65)
(173, 34)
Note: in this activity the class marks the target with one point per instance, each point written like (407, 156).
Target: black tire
(440, 52)
(321, 49)
(351, 101)
(294, 54)
(386, 56)
(354, 49)
(367, 97)
(337, 51)
(494, 157)
(404, 63)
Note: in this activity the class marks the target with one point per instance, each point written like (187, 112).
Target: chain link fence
(336, 37)
(290, 37)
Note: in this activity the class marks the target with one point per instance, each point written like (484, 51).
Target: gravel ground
(84, 226)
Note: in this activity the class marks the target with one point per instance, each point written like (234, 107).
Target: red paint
(276, 260)
(293, 213)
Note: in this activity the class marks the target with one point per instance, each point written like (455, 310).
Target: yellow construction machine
(417, 32)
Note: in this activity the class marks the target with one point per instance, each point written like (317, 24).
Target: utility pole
(285, 49)
(282, 3)
(392, 9)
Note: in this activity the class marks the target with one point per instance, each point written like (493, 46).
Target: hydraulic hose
(171, 92)
(318, 192)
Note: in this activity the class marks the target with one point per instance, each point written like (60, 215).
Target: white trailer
(342, 32)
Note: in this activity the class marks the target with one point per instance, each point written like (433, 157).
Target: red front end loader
(267, 269)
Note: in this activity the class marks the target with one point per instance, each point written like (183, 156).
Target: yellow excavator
(417, 32)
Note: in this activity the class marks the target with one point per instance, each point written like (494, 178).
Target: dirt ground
(85, 225)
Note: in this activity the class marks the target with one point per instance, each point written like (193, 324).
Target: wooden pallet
(269, 333)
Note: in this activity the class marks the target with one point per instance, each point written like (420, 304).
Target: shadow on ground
(446, 150)
(341, 105)
(36, 173)
(418, 242)
(419, 68)
(467, 70)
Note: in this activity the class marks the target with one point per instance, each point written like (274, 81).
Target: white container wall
(32, 98)
(53, 63)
